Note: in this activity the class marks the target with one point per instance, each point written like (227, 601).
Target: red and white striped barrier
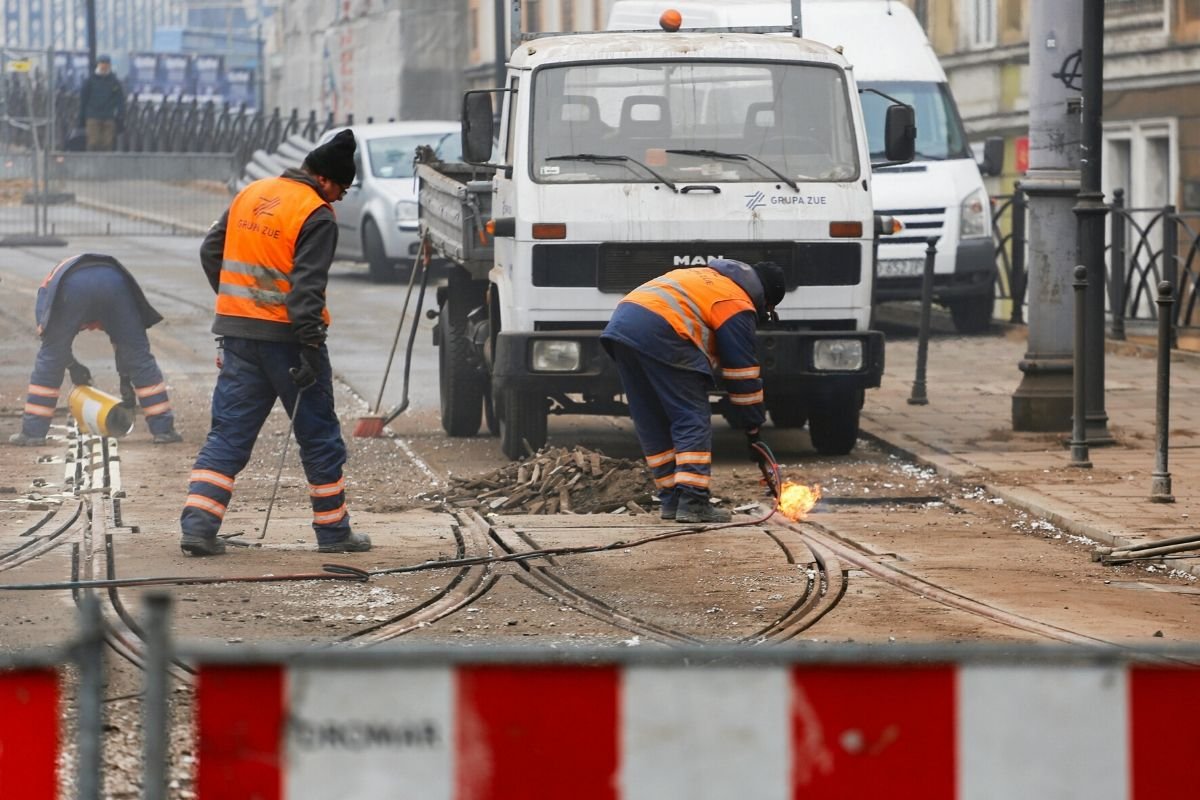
(749, 733)
(29, 733)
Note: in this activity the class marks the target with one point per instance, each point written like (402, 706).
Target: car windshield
(694, 121)
(939, 130)
(392, 156)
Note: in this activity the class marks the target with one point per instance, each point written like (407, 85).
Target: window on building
(980, 19)
(473, 28)
(533, 15)
(1187, 20)
(1120, 8)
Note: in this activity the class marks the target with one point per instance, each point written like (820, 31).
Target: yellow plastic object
(98, 412)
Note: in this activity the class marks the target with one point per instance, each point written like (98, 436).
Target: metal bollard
(155, 708)
(919, 397)
(1079, 445)
(1017, 277)
(1160, 479)
(1170, 262)
(1116, 284)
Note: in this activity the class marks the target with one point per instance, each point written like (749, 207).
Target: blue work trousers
(99, 294)
(673, 420)
(254, 374)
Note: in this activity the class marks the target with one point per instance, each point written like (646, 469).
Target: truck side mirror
(900, 133)
(478, 126)
(993, 156)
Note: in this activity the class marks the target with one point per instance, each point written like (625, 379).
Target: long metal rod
(1160, 479)
(282, 458)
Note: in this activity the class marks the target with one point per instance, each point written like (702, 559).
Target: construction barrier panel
(661, 730)
(29, 724)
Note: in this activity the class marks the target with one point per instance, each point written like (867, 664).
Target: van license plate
(901, 267)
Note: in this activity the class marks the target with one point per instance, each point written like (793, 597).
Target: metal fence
(1143, 246)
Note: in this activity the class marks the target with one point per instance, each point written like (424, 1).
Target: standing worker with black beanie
(671, 337)
(268, 260)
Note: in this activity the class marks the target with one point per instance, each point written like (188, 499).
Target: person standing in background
(102, 107)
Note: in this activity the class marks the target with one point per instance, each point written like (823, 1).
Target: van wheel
(522, 417)
(379, 267)
(833, 423)
(972, 314)
(460, 382)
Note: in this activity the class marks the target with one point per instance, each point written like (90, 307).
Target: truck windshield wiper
(738, 157)
(616, 159)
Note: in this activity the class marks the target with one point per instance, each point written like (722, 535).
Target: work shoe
(698, 509)
(21, 440)
(168, 437)
(353, 543)
(194, 545)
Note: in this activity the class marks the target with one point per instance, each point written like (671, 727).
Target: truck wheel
(522, 417)
(787, 411)
(379, 267)
(460, 383)
(833, 423)
(972, 314)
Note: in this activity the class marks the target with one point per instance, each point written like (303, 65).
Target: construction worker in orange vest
(670, 338)
(92, 291)
(268, 260)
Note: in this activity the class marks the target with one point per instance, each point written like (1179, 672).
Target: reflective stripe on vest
(260, 243)
(695, 302)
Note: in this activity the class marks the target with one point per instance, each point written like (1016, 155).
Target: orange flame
(796, 499)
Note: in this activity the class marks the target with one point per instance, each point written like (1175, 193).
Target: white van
(941, 193)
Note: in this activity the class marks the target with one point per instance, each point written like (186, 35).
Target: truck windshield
(392, 156)
(939, 130)
(684, 120)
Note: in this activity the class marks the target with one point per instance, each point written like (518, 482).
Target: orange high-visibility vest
(695, 301)
(260, 243)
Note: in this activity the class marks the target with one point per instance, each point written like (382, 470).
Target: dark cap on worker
(104, 58)
(770, 275)
(334, 159)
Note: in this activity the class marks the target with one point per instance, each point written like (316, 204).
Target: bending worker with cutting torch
(670, 337)
(268, 260)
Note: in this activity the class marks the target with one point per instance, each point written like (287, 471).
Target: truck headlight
(840, 355)
(406, 212)
(973, 215)
(555, 355)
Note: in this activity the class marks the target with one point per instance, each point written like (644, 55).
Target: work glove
(128, 395)
(757, 455)
(310, 367)
(80, 375)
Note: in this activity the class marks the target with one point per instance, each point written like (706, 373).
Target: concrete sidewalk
(966, 431)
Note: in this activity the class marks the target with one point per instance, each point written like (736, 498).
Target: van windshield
(738, 122)
(392, 156)
(939, 130)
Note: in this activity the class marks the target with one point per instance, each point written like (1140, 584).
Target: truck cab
(624, 156)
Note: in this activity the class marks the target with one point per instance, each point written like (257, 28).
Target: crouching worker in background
(94, 292)
(669, 337)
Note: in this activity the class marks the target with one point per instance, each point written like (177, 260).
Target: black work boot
(21, 440)
(353, 543)
(696, 508)
(670, 503)
(195, 545)
(168, 437)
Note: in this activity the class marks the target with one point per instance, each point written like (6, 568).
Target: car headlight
(555, 355)
(841, 355)
(406, 211)
(974, 218)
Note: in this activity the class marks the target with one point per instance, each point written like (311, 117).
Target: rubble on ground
(557, 480)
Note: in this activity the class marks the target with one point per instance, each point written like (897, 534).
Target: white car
(377, 219)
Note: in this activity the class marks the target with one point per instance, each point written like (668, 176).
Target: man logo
(265, 206)
(693, 261)
(756, 200)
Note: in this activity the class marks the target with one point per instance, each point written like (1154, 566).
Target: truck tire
(379, 267)
(787, 411)
(460, 383)
(972, 314)
(522, 417)
(833, 423)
